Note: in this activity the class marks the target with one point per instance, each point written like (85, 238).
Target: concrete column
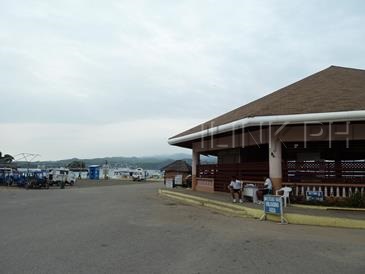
(195, 162)
(275, 158)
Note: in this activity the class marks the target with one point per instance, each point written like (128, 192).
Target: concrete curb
(243, 211)
(330, 208)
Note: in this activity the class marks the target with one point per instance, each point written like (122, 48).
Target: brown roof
(330, 90)
(179, 166)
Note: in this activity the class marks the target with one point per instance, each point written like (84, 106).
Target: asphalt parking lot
(130, 229)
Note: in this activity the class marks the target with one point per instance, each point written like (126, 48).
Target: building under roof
(179, 171)
(335, 89)
(177, 166)
(308, 134)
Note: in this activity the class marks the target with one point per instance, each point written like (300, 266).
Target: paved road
(111, 182)
(129, 229)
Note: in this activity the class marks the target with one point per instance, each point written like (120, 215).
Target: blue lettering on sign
(314, 195)
(272, 204)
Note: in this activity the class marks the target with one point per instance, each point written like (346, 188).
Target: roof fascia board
(342, 116)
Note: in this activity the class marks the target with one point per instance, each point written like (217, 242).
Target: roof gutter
(342, 116)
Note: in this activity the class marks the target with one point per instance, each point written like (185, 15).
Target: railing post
(344, 192)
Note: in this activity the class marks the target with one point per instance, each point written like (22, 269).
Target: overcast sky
(117, 78)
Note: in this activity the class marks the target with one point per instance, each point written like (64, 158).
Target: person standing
(267, 186)
(235, 187)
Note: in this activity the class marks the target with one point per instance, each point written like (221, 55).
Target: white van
(58, 175)
(138, 175)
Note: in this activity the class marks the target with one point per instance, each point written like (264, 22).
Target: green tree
(6, 159)
(76, 165)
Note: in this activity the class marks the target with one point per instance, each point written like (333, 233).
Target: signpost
(273, 204)
(169, 183)
(178, 180)
(314, 196)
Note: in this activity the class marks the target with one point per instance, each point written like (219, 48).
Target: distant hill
(150, 162)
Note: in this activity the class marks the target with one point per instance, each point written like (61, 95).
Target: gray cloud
(96, 63)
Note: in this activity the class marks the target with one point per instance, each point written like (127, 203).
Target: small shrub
(356, 200)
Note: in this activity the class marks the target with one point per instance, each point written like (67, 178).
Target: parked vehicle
(19, 178)
(61, 176)
(36, 179)
(139, 175)
(6, 176)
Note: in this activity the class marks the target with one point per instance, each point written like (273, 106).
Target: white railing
(329, 190)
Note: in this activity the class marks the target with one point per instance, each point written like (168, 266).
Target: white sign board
(314, 196)
(250, 191)
(178, 180)
(273, 204)
(169, 183)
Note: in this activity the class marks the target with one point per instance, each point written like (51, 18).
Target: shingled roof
(178, 166)
(331, 90)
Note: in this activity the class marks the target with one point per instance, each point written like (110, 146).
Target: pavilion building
(309, 135)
